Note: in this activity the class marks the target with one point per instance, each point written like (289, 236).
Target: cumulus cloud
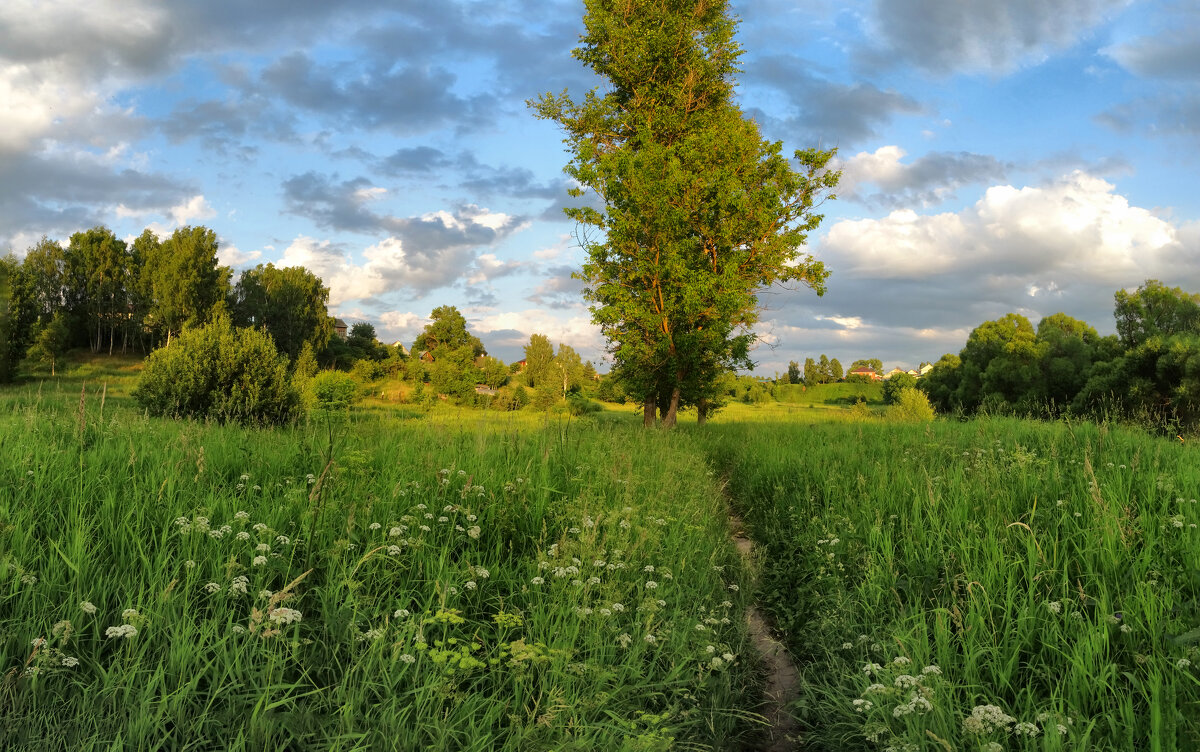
(1036, 250)
(425, 253)
(926, 181)
(979, 36)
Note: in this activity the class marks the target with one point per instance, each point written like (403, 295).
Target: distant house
(924, 369)
(894, 372)
(339, 328)
(864, 371)
(400, 346)
(913, 372)
(425, 355)
(522, 363)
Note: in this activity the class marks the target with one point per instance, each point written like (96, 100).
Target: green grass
(840, 394)
(1050, 570)
(495, 628)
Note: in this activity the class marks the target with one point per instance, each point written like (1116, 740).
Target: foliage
(793, 373)
(220, 373)
(51, 341)
(875, 364)
(445, 332)
(910, 404)
(333, 391)
(16, 316)
(610, 390)
(105, 266)
(539, 359)
(699, 212)
(893, 385)
(289, 302)
(578, 405)
(306, 362)
(188, 285)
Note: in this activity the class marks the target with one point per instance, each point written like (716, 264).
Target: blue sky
(1019, 156)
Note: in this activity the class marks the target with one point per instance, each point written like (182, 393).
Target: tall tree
(824, 369)
(539, 358)
(835, 370)
(188, 283)
(568, 367)
(812, 373)
(105, 265)
(289, 302)
(700, 213)
(793, 372)
(446, 330)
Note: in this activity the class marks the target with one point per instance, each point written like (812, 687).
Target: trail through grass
(992, 585)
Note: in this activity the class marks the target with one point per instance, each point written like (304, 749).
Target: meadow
(400, 579)
(991, 585)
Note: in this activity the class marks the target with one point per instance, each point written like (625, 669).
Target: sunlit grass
(1050, 571)
(459, 581)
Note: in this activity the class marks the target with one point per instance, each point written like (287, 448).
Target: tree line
(99, 292)
(1148, 371)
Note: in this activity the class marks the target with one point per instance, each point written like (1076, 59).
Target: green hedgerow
(222, 373)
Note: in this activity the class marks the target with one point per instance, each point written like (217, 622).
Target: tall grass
(1049, 574)
(422, 585)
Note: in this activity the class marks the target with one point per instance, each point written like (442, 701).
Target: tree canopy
(446, 331)
(288, 302)
(700, 213)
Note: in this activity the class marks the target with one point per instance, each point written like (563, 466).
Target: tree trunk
(701, 412)
(649, 408)
(670, 416)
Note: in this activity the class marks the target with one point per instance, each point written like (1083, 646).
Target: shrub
(333, 390)
(220, 373)
(366, 370)
(896, 384)
(578, 405)
(911, 405)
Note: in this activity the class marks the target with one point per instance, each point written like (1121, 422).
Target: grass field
(506, 586)
(989, 585)
(458, 579)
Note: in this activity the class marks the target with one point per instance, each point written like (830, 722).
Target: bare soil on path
(782, 678)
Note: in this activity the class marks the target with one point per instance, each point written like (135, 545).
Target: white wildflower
(87, 607)
(284, 616)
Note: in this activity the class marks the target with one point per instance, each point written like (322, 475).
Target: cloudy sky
(1029, 155)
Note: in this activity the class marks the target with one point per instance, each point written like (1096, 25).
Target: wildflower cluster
(893, 704)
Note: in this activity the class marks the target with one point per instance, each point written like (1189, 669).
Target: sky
(1031, 156)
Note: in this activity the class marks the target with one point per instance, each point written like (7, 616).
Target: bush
(896, 384)
(578, 405)
(333, 390)
(220, 373)
(911, 405)
(366, 370)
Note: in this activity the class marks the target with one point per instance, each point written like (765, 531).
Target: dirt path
(782, 677)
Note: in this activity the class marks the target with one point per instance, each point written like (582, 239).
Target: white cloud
(231, 255)
(194, 208)
(1077, 228)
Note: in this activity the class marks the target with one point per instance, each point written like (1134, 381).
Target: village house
(864, 371)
